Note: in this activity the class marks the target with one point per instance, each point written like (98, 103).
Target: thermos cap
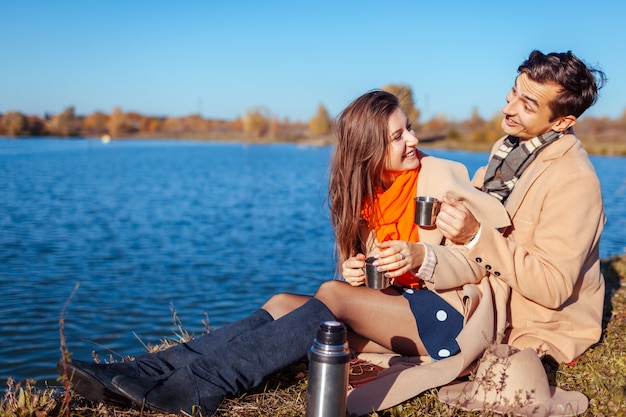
(331, 333)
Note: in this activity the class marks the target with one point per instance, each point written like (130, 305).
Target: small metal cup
(373, 278)
(426, 210)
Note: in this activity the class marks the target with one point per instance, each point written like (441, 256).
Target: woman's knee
(330, 293)
(283, 303)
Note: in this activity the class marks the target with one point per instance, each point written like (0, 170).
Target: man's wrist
(472, 240)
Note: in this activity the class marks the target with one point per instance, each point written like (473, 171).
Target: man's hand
(456, 222)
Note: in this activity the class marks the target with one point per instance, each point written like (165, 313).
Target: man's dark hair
(579, 83)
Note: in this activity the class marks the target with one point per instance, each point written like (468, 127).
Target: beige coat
(550, 257)
(535, 274)
(403, 380)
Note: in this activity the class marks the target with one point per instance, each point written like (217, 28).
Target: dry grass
(600, 374)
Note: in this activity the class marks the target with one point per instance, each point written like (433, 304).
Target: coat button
(479, 260)
(488, 267)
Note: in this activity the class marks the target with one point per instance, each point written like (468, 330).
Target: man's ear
(563, 123)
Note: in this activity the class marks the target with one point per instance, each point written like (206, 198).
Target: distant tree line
(129, 124)
(258, 123)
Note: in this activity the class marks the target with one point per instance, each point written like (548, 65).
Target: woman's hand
(353, 270)
(398, 257)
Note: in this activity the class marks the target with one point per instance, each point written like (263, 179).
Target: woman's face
(402, 153)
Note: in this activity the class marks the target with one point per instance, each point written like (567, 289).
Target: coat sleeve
(454, 269)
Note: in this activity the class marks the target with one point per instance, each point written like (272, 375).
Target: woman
(376, 171)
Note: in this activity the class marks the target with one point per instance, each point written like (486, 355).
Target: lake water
(136, 229)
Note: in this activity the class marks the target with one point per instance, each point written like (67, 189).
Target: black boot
(241, 364)
(168, 360)
(93, 381)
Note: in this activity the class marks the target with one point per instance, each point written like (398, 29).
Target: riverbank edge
(593, 148)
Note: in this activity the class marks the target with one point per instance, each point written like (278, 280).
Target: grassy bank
(600, 374)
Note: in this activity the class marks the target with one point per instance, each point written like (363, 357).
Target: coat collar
(553, 152)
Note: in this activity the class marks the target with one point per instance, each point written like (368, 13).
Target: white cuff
(474, 239)
(426, 270)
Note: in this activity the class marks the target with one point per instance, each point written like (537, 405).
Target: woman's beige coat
(477, 300)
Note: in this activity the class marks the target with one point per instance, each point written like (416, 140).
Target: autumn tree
(152, 124)
(95, 123)
(256, 122)
(174, 124)
(237, 125)
(475, 120)
(407, 104)
(36, 126)
(14, 124)
(274, 127)
(489, 131)
(194, 122)
(65, 124)
(320, 124)
(116, 122)
(132, 122)
(121, 124)
(435, 124)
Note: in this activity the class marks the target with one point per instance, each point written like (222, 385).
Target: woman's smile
(411, 154)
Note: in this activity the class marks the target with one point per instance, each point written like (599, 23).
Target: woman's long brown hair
(357, 166)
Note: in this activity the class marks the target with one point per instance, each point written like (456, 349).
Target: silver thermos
(329, 359)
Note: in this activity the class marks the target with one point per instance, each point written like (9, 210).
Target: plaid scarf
(510, 160)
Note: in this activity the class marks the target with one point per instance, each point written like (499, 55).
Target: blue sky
(219, 58)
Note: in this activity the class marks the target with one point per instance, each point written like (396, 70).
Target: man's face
(526, 114)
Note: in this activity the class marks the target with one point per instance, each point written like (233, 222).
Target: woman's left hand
(398, 257)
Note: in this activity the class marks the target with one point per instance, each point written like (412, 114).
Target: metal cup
(426, 210)
(374, 279)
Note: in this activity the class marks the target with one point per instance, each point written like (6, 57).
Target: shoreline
(593, 148)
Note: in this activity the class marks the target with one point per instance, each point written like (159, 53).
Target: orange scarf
(393, 215)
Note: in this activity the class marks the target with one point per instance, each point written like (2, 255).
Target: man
(543, 270)
(549, 256)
